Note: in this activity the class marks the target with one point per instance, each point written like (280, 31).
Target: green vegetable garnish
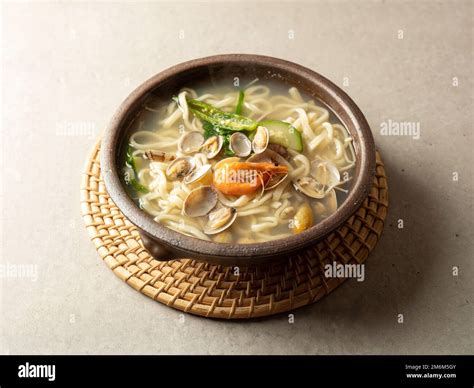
(218, 118)
(137, 186)
(284, 134)
(240, 102)
(132, 162)
(211, 130)
(219, 123)
(129, 159)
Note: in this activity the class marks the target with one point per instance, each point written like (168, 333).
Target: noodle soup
(238, 166)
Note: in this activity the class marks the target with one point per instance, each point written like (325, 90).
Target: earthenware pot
(164, 243)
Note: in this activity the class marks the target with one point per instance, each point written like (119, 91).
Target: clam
(191, 142)
(324, 207)
(310, 187)
(274, 181)
(325, 172)
(201, 175)
(159, 156)
(179, 168)
(279, 149)
(200, 201)
(260, 140)
(258, 158)
(240, 144)
(269, 156)
(212, 146)
(220, 219)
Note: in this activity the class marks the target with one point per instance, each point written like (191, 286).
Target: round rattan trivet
(222, 292)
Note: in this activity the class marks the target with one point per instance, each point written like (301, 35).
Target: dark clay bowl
(164, 243)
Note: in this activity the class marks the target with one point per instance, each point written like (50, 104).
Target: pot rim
(194, 246)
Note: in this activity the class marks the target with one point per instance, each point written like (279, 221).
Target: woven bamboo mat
(216, 291)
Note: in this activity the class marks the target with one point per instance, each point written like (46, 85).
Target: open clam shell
(212, 146)
(220, 219)
(269, 156)
(326, 206)
(159, 156)
(260, 140)
(201, 175)
(310, 187)
(200, 201)
(240, 144)
(274, 181)
(191, 142)
(179, 168)
(279, 149)
(325, 172)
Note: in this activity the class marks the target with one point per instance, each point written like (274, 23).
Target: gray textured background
(68, 66)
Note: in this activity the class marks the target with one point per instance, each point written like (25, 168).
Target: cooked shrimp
(240, 178)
